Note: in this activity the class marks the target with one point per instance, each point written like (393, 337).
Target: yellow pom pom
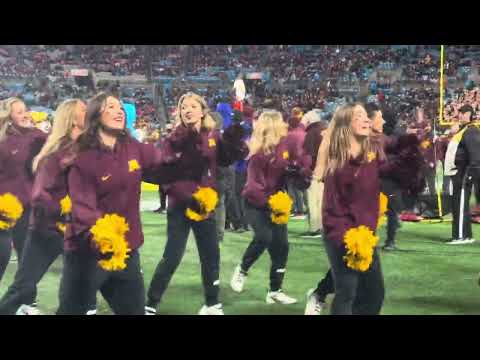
(11, 209)
(62, 227)
(281, 205)
(382, 209)
(359, 243)
(66, 205)
(207, 198)
(109, 236)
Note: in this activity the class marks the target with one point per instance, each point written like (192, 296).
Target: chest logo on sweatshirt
(133, 165)
(285, 155)
(211, 143)
(14, 152)
(371, 156)
(106, 177)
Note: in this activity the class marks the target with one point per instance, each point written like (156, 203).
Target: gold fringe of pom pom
(62, 227)
(66, 205)
(382, 209)
(109, 236)
(207, 199)
(359, 243)
(281, 205)
(11, 209)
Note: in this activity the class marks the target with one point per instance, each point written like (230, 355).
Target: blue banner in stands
(131, 114)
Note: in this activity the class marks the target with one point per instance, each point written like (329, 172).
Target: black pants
(233, 215)
(267, 236)
(462, 188)
(41, 249)
(5, 251)
(394, 205)
(16, 235)
(325, 286)
(299, 199)
(82, 277)
(163, 198)
(356, 293)
(178, 229)
(240, 180)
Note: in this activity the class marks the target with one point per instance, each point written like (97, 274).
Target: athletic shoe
(279, 297)
(389, 247)
(13, 259)
(298, 216)
(469, 241)
(28, 310)
(312, 235)
(459, 241)
(238, 280)
(313, 307)
(239, 230)
(211, 310)
(150, 310)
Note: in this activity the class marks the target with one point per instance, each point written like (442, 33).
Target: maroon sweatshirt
(49, 187)
(104, 181)
(197, 156)
(267, 174)
(350, 199)
(17, 151)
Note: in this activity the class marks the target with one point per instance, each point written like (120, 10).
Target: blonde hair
(334, 151)
(63, 123)
(6, 115)
(207, 121)
(268, 130)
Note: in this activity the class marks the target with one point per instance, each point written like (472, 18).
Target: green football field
(425, 277)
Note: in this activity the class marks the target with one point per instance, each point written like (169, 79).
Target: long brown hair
(334, 151)
(89, 139)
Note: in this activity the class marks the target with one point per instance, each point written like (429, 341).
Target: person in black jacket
(467, 172)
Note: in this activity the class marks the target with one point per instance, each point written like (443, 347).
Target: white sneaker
(238, 280)
(279, 297)
(313, 307)
(28, 310)
(460, 241)
(469, 241)
(150, 310)
(211, 310)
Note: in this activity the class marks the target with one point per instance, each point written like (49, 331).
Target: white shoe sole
(271, 301)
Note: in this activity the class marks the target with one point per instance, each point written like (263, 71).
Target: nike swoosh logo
(105, 178)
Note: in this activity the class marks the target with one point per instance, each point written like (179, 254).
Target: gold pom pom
(382, 209)
(281, 205)
(109, 236)
(359, 243)
(11, 209)
(61, 227)
(207, 198)
(66, 205)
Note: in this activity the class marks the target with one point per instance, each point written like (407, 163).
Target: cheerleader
(102, 241)
(200, 156)
(50, 207)
(351, 164)
(275, 158)
(19, 143)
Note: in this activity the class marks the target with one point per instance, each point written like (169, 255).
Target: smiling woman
(19, 143)
(105, 233)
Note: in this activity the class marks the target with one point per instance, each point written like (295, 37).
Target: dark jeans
(298, 197)
(41, 249)
(163, 198)
(430, 175)
(232, 209)
(325, 287)
(178, 228)
(16, 235)
(356, 293)
(267, 236)
(462, 189)
(240, 180)
(82, 277)
(394, 205)
(5, 251)
(220, 217)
